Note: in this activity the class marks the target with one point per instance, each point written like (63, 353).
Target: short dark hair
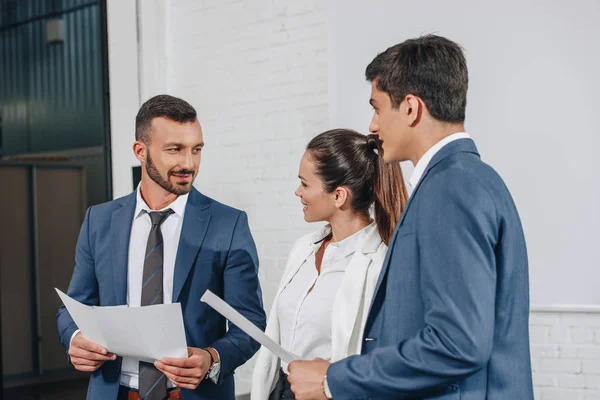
(165, 106)
(345, 157)
(430, 67)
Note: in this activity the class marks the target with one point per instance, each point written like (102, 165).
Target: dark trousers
(282, 390)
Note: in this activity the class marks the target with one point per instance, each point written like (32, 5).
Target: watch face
(215, 370)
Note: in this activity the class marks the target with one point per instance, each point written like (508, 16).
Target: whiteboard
(533, 111)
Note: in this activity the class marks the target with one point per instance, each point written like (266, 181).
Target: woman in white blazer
(324, 295)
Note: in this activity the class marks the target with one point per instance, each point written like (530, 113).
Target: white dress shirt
(140, 229)
(305, 304)
(428, 156)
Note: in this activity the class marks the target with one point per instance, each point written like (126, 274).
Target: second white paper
(245, 325)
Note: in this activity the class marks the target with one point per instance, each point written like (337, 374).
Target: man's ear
(139, 150)
(413, 109)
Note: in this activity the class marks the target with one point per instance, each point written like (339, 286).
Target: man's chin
(183, 187)
(389, 158)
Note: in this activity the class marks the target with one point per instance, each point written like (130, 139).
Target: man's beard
(176, 189)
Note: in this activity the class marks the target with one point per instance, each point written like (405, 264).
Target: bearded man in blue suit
(164, 243)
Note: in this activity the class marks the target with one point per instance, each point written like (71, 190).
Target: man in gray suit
(449, 318)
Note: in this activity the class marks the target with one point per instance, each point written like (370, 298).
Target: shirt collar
(428, 156)
(349, 245)
(178, 206)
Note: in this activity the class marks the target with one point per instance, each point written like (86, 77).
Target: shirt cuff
(73, 335)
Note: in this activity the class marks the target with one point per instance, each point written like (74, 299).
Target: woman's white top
(321, 315)
(306, 302)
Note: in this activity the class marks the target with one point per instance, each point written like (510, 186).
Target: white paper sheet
(142, 333)
(245, 325)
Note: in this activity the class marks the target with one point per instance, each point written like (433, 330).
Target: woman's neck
(344, 227)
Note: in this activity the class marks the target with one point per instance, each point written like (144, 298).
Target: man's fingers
(83, 361)
(88, 355)
(177, 371)
(292, 366)
(188, 386)
(181, 379)
(189, 362)
(91, 346)
(184, 383)
(85, 368)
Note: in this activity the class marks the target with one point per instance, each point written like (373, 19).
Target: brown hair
(431, 67)
(345, 157)
(163, 105)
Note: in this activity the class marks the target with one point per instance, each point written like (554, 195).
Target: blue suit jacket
(449, 318)
(216, 251)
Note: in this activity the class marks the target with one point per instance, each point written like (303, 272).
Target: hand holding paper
(86, 355)
(142, 333)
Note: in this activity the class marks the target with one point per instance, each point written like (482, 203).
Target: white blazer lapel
(347, 304)
(295, 262)
(350, 302)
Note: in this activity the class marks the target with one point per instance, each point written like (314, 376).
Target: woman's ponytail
(390, 191)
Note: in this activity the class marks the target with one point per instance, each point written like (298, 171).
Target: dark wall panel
(59, 217)
(15, 273)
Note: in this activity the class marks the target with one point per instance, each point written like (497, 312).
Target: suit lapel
(193, 231)
(120, 233)
(458, 146)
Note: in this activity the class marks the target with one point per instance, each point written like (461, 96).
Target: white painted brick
(581, 335)
(568, 351)
(571, 381)
(592, 381)
(561, 394)
(545, 380)
(591, 395)
(545, 351)
(579, 319)
(560, 334)
(597, 335)
(539, 334)
(591, 366)
(589, 352)
(297, 7)
(564, 366)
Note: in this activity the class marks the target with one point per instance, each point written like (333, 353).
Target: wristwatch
(214, 369)
(326, 388)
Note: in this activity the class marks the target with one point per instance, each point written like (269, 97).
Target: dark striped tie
(153, 384)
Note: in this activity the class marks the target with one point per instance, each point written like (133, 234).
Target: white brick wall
(565, 353)
(256, 71)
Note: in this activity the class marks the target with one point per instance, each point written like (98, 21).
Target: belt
(126, 393)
